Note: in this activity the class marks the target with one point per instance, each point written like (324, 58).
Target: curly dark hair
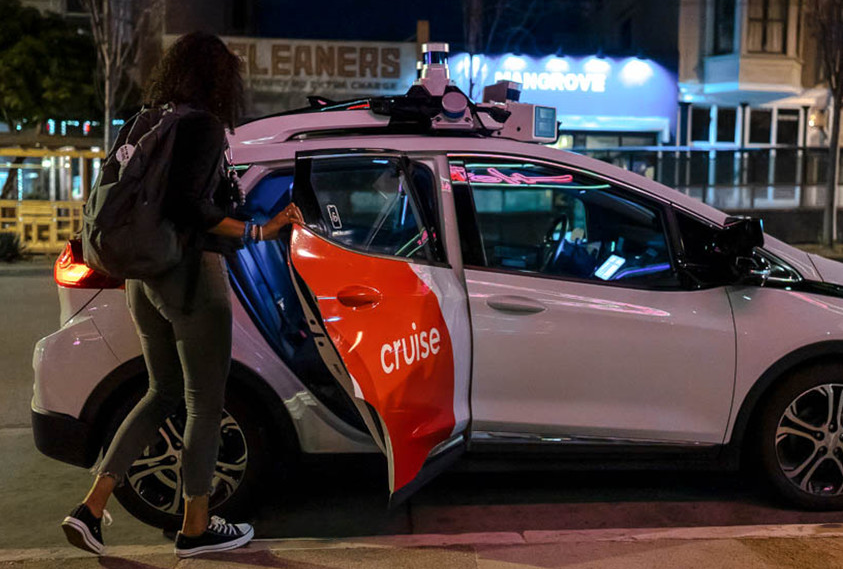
(199, 70)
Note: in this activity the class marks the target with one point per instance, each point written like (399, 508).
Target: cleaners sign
(325, 67)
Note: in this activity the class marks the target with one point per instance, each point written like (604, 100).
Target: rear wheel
(153, 487)
(800, 439)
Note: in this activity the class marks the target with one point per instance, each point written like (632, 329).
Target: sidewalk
(32, 265)
(744, 547)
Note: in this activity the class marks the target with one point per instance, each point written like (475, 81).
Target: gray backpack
(124, 231)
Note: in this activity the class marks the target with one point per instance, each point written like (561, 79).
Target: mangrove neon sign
(589, 92)
(533, 81)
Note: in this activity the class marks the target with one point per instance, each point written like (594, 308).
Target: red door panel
(389, 332)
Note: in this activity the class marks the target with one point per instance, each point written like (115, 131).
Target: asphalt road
(29, 310)
(346, 498)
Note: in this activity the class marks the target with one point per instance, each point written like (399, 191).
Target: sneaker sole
(80, 536)
(228, 545)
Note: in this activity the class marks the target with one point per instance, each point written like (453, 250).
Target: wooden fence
(43, 226)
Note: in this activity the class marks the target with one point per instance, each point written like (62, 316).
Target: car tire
(799, 438)
(148, 494)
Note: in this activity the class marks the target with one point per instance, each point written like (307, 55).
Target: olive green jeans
(187, 356)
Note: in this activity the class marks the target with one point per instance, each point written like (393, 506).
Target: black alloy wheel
(801, 439)
(153, 488)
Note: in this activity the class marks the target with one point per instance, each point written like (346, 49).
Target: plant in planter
(11, 249)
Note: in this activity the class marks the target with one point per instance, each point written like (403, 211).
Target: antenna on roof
(435, 76)
(434, 103)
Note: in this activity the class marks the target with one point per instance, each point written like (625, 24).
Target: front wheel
(152, 489)
(800, 439)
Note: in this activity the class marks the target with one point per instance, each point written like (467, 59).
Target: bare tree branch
(118, 27)
(825, 21)
(500, 8)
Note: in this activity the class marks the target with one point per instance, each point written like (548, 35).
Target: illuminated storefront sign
(589, 93)
(324, 67)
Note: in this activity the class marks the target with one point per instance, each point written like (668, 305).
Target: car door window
(701, 260)
(366, 204)
(558, 222)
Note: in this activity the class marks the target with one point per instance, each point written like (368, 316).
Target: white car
(459, 292)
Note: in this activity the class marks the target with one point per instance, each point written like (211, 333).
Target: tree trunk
(473, 22)
(108, 103)
(108, 88)
(829, 225)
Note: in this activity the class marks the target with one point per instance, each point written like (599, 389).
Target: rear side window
(553, 221)
(366, 204)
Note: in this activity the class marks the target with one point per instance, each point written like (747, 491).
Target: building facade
(750, 80)
(748, 73)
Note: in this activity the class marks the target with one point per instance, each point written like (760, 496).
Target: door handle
(515, 304)
(359, 296)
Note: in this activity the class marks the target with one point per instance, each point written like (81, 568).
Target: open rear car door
(387, 313)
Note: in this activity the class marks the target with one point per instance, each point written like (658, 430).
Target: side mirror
(752, 270)
(740, 236)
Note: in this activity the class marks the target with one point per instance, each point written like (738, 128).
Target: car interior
(577, 229)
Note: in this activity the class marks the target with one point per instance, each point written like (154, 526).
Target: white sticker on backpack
(124, 153)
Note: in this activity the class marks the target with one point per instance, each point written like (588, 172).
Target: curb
(498, 539)
(25, 268)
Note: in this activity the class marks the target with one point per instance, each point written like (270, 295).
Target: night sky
(375, 20)
(555, 26)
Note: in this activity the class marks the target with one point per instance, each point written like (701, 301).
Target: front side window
(704, 265)
(366, 204)
(701, 261)
(558, 222)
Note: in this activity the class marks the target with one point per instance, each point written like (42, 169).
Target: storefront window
(700, 122)
(643, 139)
(565, 141)
(726, 124)
(767, 26)
(724, 26)
(787, 127)
(604, 140)
(760, 123)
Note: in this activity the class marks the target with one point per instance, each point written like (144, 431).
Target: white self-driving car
(461, 292)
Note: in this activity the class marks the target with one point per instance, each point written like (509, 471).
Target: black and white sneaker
(84, 530)
(220, 536)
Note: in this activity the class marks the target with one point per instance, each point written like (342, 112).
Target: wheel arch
(131, 376)
(797, 359)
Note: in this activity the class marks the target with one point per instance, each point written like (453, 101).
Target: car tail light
(71, 271)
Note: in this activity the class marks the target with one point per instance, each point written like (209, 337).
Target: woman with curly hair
(183, 317)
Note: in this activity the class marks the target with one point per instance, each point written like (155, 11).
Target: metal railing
(43, 226)
(779, 178)
(731, 178)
